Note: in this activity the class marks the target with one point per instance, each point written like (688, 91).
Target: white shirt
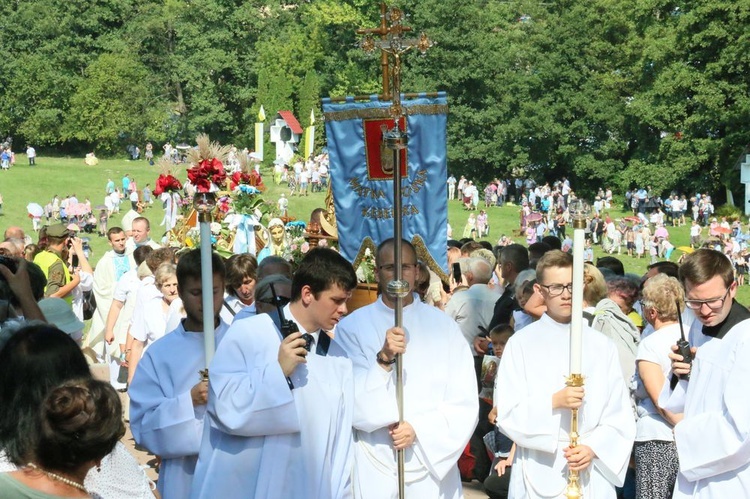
(655, 349)
(713, 439)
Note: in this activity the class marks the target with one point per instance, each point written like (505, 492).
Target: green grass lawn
(55, 175)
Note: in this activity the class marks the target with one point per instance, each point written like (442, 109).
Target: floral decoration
(366, 269)
(208, 175)
(167, 183)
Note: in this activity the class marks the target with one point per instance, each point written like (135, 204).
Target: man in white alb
(440, 391)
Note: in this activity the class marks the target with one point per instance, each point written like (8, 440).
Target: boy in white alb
(533, 403)
(167, 397)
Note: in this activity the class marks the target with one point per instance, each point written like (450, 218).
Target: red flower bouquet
(207, 174)
(166, 183)
(244, 178)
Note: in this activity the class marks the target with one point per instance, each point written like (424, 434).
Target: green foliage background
(606, 92)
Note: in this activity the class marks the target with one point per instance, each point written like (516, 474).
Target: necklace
(59, 478)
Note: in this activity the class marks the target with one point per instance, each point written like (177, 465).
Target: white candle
(207, 284)
(577, 302)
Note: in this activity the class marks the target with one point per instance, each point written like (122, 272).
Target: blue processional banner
(362, 188)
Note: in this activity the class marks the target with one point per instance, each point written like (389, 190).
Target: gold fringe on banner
(423, 255)
(384, 112)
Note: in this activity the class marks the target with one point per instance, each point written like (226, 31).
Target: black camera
(9, 262)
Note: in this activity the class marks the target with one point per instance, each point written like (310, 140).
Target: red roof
(291, 121)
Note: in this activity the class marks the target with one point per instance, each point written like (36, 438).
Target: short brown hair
(553, 258)
(705, 264)
(238, 267)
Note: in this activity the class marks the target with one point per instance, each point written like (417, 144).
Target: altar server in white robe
(534, 404)
(280, 417)
(713, 439)
(167, 397)
(440, 398)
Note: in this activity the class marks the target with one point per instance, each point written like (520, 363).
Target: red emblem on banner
(379, 159)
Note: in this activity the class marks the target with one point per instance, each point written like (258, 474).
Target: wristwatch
(384, 362)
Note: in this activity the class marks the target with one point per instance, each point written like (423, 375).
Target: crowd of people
(299, 383)
(303, 176)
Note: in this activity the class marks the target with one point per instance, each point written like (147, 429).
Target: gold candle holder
(573, 490)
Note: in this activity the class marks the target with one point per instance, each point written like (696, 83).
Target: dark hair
(502, 328)
(114, 230)
(162, 255)
(238, 267)
(665, 267)
(517, 255)
(422, 281)
(554, 242)
(624, 287)
(37, 279)
(538, 249)
(189, 266)
(34, 360)
(705, 264)
(468, 247)
(611, 263)
(273, 264)
(486, 245)
(320, 269)
(80, 421)
(452, 243)
(141, 253)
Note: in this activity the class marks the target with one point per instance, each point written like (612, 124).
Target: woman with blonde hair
(656, 463)
(156, 312)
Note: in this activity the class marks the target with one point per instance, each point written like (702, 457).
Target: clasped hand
(199, 393)
(395, 343)
(570, 397)
(403, 435)
(679, 367)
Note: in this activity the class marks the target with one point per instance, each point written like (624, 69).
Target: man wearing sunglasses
(714, 437)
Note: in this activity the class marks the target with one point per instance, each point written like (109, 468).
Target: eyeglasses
(715, 304)
(405, 267)
(557, 289)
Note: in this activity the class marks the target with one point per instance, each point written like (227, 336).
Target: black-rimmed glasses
(557, 289)
(405, 267)
(715, 304)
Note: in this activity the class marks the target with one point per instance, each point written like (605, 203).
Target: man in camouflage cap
(60, 283)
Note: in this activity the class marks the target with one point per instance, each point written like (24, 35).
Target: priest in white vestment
(280, 418)
(440, 398)
(534, 404)
(109, 270)
(167, 397)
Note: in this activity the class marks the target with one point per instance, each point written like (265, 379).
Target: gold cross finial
(392, 43)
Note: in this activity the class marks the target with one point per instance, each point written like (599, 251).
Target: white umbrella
(255, 156)
(35, 209)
